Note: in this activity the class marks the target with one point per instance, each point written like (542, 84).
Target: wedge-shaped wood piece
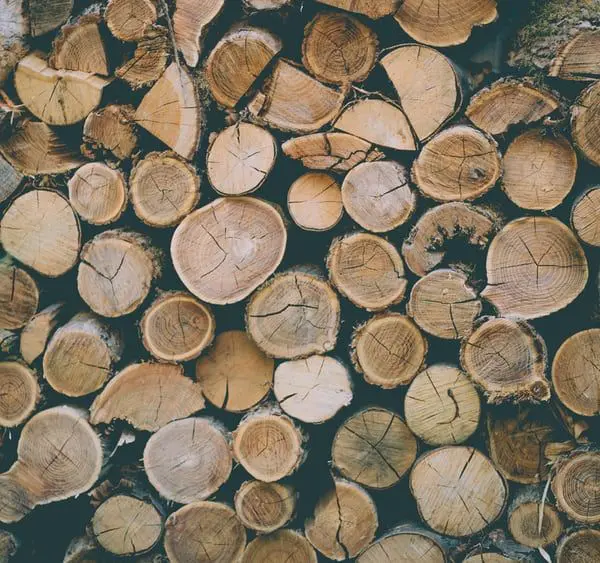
(20, 393)
(37, 332)
(585, 123)
(46, 15)
(19, 296)
(578, 59)
(373, 9)
(110, 129)
(128, 20)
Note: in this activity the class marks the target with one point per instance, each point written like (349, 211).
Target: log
(389, 350)
(578, 59)
(442, 406)
(188, 460)
(283, 545)
(265, 507)
(373, 9)
(38, 330)
(14, 28)
(204, 532)
(377, 195)
(164, 189)
(294, 315)
(580, 546)
(585, 121)
(10, 180)
(9, 342)
(20, 394)
(488, 557)
(128, 20)
(41, 230)
(9, 546)
(84, 549)
(19, 296)
(585, 219)
(110, 129)
(315, 202)
(223, 251)
(312, 390)
(260, 5)
(235, 374)
(46, 15)
(374, 447)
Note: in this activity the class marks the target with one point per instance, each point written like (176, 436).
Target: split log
(294, 315)
(374, 447)
(580, 546)
(283, 545)
(188, 460)
(9, 545)
(315, 202)
(338, 48)
(427, 85)
(377, 195)
(585, 218)
(240, 159)
(268, 445)
(128, 20)
(266, 4)
(312, 390)
(458, 490)
(578, 58)
(237, 61)
(389, 350)
(509, 102)
(539, 170)
(116, 272)
(176, 327)
(148, 396)
(37, 331)
(10, 180)
(235, 374)
(110, 129)
(443, 304)
(265, 507)
(535, 267)
(292, 100)
(40, 229)
(507, 360)
(223, 251)
(98, 193)
(46, 15)
(585, 123)
(164, 189)
(19, 296)
(426, 23)
(20, 394)
(442, 406)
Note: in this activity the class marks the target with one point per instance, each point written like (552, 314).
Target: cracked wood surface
(315, 202)
(405, 546)
(585, 123)
(110, 129)
(38, 330)
(19, 393)
(265, 507)
(584, 217)
(128, 20)
(19, 296)
(283, 545)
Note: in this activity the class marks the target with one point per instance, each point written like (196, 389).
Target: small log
(283, 545)
(373, 9)
(488, 557)
(580, 546)
(57, 97)
(265, 507)
(240, 159)
(111, 129)
(458, 490)
(268, 445)
(237, 61)
(509, 102)
(204, 532)
(9, 545)
(367, 270)
(427, 85)
(374, 447)
(9, 343)
(585, 121)
(84, 549)
(442, 406)
(377, 195)
(223, 251)
(20, 394)
(98, 193)
(40, 229)
(188, 460)
(235, 374)
(128, 20)
(535, 267)
(585, 218)
(47, 15)
(116, 272)
(577, 59)
(10, 180)
(313, 390)
(19, 296)
(389, 350)
(294, 315)
(315, 202)
(164, 189)
(507, 360)
(260, 5)
(292, 100)
(148, 396)
(36, 333)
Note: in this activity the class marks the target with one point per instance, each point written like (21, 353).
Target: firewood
(368, 270)
(458, 490)
(377, 195)
(9, 545)
(148, 396)
(98, 193)
(40, 229)
(111, 129)
(10, 180)
(188, 460)
(268, 445)
(488, 557)
(580, 546)
(535, 267)
(585, 121)
(507, 359)
(46, 15)
(292, 100)
(223, 251)
(315, 202)
(19, 296)
(163, 188)
(374, 447)
(240, 158)
(510, 102)
(265, 507)
(36, 333)
(389, 350)
(312, 390)
(128, 20)
(283, 545)
(204, 532)
(14, 28)
(267, 4)
(84, 549)
(9, 343)
(585, 218)
(425, 22)
(578, 58)
(373, 9)
(20, 393)
(294, 315)
(237, 61)
(427, 85)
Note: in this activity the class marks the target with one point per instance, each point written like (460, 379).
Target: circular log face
(284, 545)
(265, 507)
(488, 557)
(20, 393)
(523, 524)
(128, 20)
(585, 217)
(19, 296)
(404, 547)
(581, 546)
(585, 123)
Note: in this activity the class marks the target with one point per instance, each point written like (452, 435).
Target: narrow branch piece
(524, 519)
(580, 546)
(128, 20)
(283, 545)
(315, 202)
(585, 123)
(20, 394)
(404, 546)
(37, 332)
(46, 15)
(585, 217)
(111, 129)
(19, 296)
(578, 58)
(265, 507)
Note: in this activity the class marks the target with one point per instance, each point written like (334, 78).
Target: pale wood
(20, 393)
(315, 202)
(489, 557)
(373, 9)
(36, 333)
(283, 545)
(10, 180)
(580, 546)
(46, 15)
(111, 129)
(267, 4)
(577, 59)
(405, 545)
(128, 20)
(265, 507)
(585, 217)
(585, 123)
(19, 296)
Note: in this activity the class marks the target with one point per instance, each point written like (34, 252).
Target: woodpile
(290, 281)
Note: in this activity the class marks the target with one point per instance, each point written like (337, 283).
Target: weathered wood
(20, 393)
(287, 545)
(581, 546)
(111, 129)
(585, 123)
(128, 20)
(585, 217)
(265, 507)
(19, 296)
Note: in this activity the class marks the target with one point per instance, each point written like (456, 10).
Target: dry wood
(37, 331)
(19, 296)
(283, 545)
(110, 129)
(265, 507)
(488, 557)
(580, 546)
(585, 217)
(9, 342)
(585, 123)
(315, 202)
(84, 549)
(266, 4)
(46, 15)
(128, 20)
(10, 180)
(13, 31)
(373, 9)
(578, 58)
(9, 545)
(20, 393)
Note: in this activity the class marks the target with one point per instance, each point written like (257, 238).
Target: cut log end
(315, 202)
(373, 9)
(19, 296)
(36, 333)
(284, 545)
(585, 217)
(585, 121)
(20, 393)
(576, 59)
(524, 522)
(405, 545)
(128, 20)
(580, 546)
(265, 507)
(110, 129)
